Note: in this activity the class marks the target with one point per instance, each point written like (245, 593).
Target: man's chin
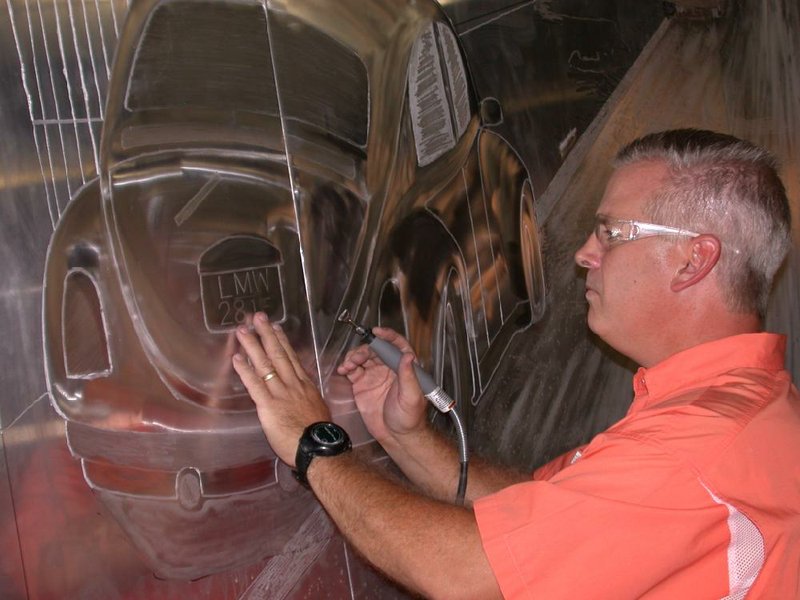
(594, 322)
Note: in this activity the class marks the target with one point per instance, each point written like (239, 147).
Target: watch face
(327, 433)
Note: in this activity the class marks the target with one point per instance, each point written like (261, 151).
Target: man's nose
(588, 256)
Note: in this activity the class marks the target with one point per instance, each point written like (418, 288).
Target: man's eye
(613, 233)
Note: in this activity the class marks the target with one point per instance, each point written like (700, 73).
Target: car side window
(321, 82)
(438, 93)
(229, 57)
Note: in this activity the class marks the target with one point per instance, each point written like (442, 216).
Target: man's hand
(391, 405)
(286, 399)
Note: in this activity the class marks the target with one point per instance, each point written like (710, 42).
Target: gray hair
(729, 187)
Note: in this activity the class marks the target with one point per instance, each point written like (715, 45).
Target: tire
(531, 253)
(452, 366)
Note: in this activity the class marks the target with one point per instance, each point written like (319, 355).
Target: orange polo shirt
(694, 494)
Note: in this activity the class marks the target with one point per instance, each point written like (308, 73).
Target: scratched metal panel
(25, 227)
(57, 67)
(72, 548)
(187, 508)
(138, 482)
(551, 66)
(12, 579)
(703, 74)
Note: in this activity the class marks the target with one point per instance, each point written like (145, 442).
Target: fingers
(278, 349)
(391, 336)
(271, 348)
(408, 378)
(280, 334)
(286, 400)
(355, 359)
(251, 380)
(363, 356)
(262, 364)
(272, 357)
(269, 367)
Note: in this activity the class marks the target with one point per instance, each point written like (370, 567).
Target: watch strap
(308, 447)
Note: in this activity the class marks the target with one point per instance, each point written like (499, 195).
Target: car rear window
(212, 55)
(219, 56)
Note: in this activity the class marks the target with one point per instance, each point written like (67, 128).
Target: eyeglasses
(612, 232)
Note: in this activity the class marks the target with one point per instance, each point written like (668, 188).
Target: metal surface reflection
(294, 157)
(237, 174)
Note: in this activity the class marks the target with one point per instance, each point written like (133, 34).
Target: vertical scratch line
(52, 201)
(54, 92)
(114, 19)
(295, 198)
(349, 572)
(29, 97)
(84, 86)
(477, 251)
(490, 237)
(62, 49)
(102, 39)
(89, 45)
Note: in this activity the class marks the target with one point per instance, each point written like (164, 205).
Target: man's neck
(690, 334)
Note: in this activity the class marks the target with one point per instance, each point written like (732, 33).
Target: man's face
(628, 285)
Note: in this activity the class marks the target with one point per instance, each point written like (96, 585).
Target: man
(694, 494)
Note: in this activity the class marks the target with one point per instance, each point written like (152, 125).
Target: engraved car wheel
(452, 367)
(532, 264)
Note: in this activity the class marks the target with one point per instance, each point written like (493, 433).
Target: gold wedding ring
(269, 375)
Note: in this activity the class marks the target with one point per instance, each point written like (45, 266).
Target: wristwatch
(319, 439)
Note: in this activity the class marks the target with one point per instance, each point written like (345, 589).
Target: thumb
(409, 385)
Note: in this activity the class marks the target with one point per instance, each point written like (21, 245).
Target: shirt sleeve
(548, 470)
(623, 521)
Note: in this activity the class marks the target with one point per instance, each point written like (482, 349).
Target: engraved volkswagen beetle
(296, 157)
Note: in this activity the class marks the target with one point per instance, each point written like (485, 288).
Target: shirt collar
(704, 361)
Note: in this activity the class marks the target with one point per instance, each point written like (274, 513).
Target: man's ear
(703, 255)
